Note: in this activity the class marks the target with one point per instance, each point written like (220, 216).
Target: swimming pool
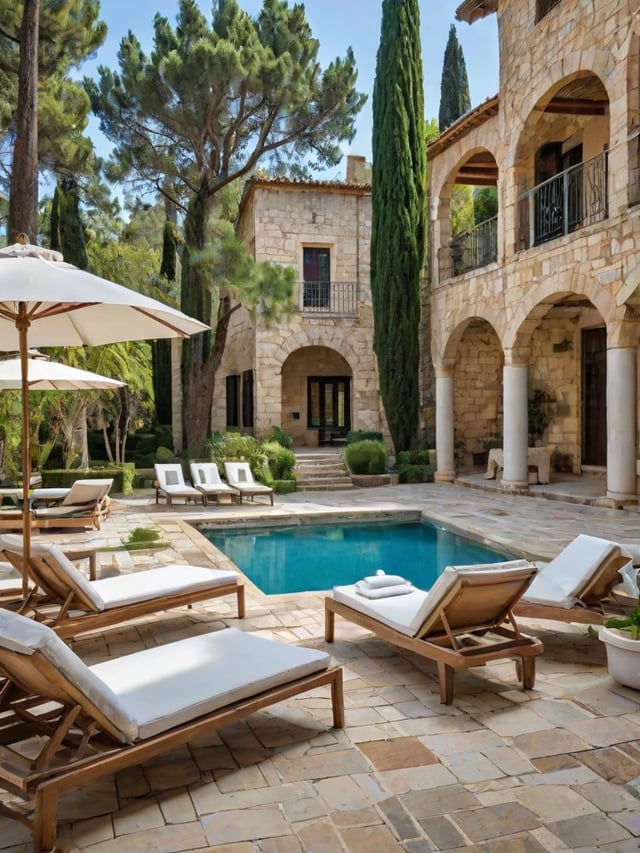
(309, 557)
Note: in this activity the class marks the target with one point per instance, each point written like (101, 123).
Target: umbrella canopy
(62, 305)
(47, 302)
(45, 375)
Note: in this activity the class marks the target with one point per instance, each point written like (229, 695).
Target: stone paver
(498, 771)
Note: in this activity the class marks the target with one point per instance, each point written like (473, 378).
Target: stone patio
(557, 768)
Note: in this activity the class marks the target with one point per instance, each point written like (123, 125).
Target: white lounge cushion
(407, 613)
(153, 690)
(148, 584)
(75, 578)
(241, 477)
(206, 478)
(561, 581)
(168, 685)
(26, 636)
(156, 583)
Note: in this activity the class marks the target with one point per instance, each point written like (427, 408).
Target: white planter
(623, 656)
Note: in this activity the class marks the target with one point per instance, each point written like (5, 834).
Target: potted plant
(622, 641)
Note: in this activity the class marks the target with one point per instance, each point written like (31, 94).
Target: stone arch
(321, 337)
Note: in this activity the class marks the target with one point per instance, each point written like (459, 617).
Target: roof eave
(473, 10)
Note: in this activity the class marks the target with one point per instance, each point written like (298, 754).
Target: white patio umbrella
(46, 375)
(47, 302)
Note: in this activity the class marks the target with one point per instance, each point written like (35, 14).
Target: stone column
(515, 429)
(621, 425)
(444, 424)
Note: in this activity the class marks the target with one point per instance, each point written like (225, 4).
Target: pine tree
(398, 217)
(211, 103)
(454, 86)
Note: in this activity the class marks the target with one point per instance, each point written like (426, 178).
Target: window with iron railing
(329, 297)
(572, 199)
(543, 7)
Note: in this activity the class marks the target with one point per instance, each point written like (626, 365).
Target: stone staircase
(321, 470)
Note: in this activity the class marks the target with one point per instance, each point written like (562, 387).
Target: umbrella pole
(22, 325)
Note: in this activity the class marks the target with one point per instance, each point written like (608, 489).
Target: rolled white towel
(364, 589)
(380, 580)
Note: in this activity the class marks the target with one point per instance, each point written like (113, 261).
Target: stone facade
(329, 335)
(561, 144)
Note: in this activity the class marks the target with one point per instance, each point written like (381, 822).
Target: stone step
(338, 478)
(320, 485)
(309, 470)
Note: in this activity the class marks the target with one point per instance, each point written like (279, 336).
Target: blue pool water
(309, 557)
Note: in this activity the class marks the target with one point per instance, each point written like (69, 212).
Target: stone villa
(543, 300)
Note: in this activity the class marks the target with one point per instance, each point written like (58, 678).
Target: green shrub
(356, 435)
(63, 478)
(413, 457)
(281, 461)
(284, 487)
(408, 473)
(278, 435)
(366, 457)
(165, 455)
(143, 534)
(235, 447)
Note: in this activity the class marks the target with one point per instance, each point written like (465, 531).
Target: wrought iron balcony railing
(476, 247)
(568, 201)
(335, 298)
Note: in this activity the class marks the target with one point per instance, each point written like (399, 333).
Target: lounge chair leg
(445, 679)
(241, 604)
(329, 624)
(528, 668)
(337, 700)
(45, 820)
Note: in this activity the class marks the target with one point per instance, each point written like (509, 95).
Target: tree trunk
(197, 371)
(23, 197)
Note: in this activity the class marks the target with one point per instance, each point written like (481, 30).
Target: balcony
(564, 203)
(475, 248)
(328, 298)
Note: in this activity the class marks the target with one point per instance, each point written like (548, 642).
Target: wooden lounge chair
(578, 584)
(94, 721)
(170, 484)
(464, 620)
(240, 476)
(73, 604)
(86, 505)
(11, 519)
(206, 479)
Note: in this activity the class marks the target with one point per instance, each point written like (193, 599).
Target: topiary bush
(165, 455)
(366, 457)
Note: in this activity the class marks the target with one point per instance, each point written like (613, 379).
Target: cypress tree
(67, 231)
(398, 215)
(454, 86)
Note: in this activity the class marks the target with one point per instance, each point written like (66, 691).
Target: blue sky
(337, 24)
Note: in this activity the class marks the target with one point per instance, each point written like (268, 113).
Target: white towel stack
(381, 585)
